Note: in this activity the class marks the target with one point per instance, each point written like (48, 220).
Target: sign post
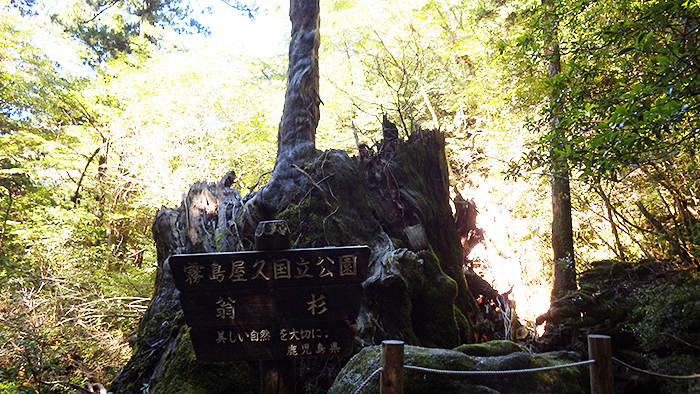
(276, 376)
(272, 304)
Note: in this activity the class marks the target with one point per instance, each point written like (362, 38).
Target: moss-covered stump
(414, 290)
(183, 374)
(572, 380)
(394, 199)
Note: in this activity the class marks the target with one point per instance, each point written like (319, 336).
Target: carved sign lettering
(273, 304)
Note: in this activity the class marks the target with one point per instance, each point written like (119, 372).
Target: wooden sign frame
(272, 305)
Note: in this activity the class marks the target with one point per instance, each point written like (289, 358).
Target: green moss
(491, 348)
(466, 330)
(411, 267)
(358, 369)
(342, 218)
(157, 329)
(183, 374)
(643, 269)
(421, 171)
(569, 307)
(391, 303)
(568, 380)
(433, 314)
(602, 270)
(415, 304)
(155, 326)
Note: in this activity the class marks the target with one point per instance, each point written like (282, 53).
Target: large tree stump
(416, 294)
(395, 199)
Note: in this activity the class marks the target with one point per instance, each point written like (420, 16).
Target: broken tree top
(272, 304)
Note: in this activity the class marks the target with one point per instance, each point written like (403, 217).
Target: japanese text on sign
(267, 270)
(251, 305)
(298, 342)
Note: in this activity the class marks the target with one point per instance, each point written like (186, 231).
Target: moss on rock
(648, 308)
(184, 374)
(568, 380)
(491, 348)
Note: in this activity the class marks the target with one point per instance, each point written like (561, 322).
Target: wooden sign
(266, 305)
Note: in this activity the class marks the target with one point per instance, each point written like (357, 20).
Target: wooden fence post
(276, 376)
(600, 350)
(391, 381)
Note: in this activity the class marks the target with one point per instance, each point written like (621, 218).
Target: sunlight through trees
(89, 152)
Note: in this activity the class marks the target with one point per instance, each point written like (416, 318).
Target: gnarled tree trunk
(396, 200)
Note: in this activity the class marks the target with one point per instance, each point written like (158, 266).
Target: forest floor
(651, 311)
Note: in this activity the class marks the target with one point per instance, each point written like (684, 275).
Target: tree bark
(564, 270)
(301, 103)
(562, 234)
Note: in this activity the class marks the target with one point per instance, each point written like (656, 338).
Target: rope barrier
(505, 372)
(600, 383)
(367, 381)
(659, 375)
(446, 372)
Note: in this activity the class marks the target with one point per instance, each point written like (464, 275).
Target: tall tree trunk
(562, 229)
(562, 233)
(301, 103)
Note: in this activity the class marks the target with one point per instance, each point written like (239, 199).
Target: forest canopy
(134, 106)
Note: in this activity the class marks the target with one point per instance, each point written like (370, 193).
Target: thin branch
(73, 386)
(114, 2)
(354, 133)
(325, 235)
(76, 196)
(86, 317)
(610, 217)
(250, 189)
(313, 182)
(132, 299)
(242, 7)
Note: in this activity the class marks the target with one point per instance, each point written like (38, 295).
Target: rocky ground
(650, 309)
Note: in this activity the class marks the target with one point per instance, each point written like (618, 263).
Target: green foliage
(627, 101)
(34, 96)
(113, 29)
(185, 117)
(668, 315)
(35, 102)
(85, 165)
(68, 302)
(432, 66)
(628, 90)
(74, 279)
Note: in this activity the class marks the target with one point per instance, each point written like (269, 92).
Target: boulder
(502, 357)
